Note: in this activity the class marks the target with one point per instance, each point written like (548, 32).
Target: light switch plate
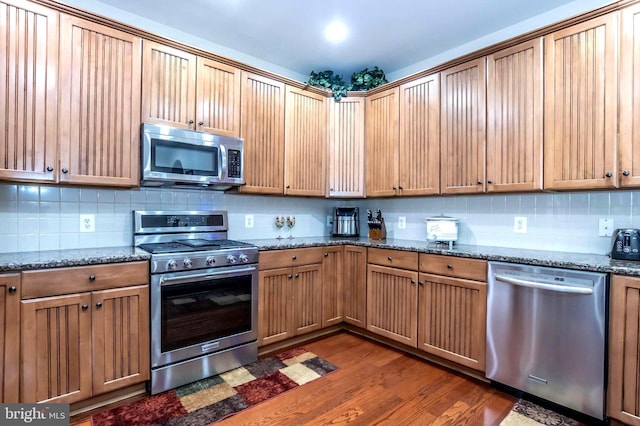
(87, 223)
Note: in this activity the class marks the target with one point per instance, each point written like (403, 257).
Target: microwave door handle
(223, 162)
(543, 286)
(191, 277)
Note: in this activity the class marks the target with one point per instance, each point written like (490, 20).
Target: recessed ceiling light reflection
(336, 32)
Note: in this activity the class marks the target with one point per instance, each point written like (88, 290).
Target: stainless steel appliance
(204, 289)
(346, 222)
(442, 230)
(174, 157)
(626, 244)
(546, 330)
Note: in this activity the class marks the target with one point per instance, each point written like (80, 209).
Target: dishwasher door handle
(543, 286)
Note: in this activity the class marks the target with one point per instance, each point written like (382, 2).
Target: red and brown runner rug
(212, 399)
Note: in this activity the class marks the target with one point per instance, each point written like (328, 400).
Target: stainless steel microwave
(178, 157)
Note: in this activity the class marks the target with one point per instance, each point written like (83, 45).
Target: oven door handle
(191, 277)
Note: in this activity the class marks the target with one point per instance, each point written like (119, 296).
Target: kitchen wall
(48, 217)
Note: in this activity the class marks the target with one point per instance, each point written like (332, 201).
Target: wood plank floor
(377, 385)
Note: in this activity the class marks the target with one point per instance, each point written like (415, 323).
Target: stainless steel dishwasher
(546, 330)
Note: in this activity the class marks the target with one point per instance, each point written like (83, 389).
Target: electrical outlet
(248, 221)
(605, 227)
(520, 225)
(87, 223)
(402, 222)
(329, 221)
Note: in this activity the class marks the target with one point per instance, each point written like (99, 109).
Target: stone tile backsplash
(48, 217)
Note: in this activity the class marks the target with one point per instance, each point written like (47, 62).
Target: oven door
(199, 312)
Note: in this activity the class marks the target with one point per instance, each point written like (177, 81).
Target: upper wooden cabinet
(462, 128)
(263, 111)
(419, 143)
(581, 75)
(99, 125)
(28, 92)
(189, 92)
(345, 155)
(382, 135)
(514, 118)
(305, 143)
(629, 100)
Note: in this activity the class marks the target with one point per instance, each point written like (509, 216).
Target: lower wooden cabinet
(624, 356)
(332, 286)
(289, 297)
(392, 303)
(452, 309)
(82, 344)
(354, 287)
(9, 337)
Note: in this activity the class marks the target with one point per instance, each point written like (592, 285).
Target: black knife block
(379, 232)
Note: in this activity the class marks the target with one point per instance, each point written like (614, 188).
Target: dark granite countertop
(11, 262)
(581, 261)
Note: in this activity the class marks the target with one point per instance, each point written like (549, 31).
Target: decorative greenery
(360, 81)
(365, 79)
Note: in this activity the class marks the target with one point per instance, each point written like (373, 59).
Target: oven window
(201, 311)
(183, 158)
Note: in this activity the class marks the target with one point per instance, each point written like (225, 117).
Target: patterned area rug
(525, 413)
(212, 399)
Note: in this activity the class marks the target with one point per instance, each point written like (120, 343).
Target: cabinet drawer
(53, 282)
(292, 257)
(395, 258)
(472, 269)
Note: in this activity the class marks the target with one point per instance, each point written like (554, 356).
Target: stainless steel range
(204, 288)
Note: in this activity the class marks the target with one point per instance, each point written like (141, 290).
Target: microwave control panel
(235, 164)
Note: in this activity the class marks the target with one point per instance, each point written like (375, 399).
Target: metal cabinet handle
(190, 121)
(99, 305)
(490, 182)
(390, 258)
(288, 186)
(479, 182)
(65, 170)
(608, 174)
(92, 277)
(626, 173)
(289, 276)
(413, 281)
(297, 275)
(326, 254)
(12, 289)
(49, 168)
(200, 123)
(400, 187)
(449, 266)
(421, 282)
(85, 307)
(294, 257)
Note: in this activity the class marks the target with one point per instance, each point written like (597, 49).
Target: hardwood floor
(377, 385)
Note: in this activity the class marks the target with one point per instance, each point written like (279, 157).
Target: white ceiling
(392, 35)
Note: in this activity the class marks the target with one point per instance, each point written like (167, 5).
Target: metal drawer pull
(450, 266)
(12, 289)
(294, 257)
(85, 307)
(99, 305)
(390, 258)
(543, 286)
(92, 277)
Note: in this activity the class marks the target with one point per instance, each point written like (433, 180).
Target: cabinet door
(392, 303)
(307, 298)
(305, 143)
(332, 282)
(624, 357)
(9, 337)
(28, 91)
(275, 309)
(262, 128)
(120, 337)
(419, 144)
(99, 125)
(514, 114)
(462, 128)
(581, 75)
(355, 285)
(56, 334)
(452, 319)
(346, 147)
(218, 98)
(169, 86)
(629, 98)
(382, 135)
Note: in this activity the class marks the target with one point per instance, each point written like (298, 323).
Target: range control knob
(172, 265)
(187, 262)
(231, 259)
(210, 261)
(244, 258)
